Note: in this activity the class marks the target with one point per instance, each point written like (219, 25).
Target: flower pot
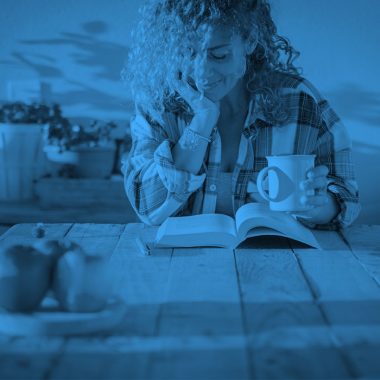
(55, 154)
(88, 162)
(21, 160)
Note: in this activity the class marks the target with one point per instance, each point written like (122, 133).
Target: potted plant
(21, 155)
(89, 151)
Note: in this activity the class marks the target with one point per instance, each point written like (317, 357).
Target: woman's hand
(206, 111)
(324, 205)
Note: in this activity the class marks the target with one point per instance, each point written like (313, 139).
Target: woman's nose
(210, 71)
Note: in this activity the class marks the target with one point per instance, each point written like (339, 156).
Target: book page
(197, 230)
(254, 215)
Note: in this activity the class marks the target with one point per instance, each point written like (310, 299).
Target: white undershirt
(224, 194)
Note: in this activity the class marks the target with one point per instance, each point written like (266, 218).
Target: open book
(218, 230)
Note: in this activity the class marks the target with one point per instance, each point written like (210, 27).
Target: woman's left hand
(324, 205)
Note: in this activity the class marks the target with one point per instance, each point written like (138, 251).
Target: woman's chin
(214, 95)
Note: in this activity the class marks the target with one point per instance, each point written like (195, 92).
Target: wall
(339, 45)
(78, 47)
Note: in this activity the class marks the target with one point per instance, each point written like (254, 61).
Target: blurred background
(71, 53)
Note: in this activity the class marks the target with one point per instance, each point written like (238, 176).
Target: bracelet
(190, 139)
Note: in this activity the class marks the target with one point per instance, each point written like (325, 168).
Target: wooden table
(270, 309)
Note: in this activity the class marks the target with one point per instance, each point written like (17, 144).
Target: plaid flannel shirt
(157, 189)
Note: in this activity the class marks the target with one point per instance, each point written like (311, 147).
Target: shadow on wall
(366, 158)
(102, 59)
(360, 109)
(355, 102)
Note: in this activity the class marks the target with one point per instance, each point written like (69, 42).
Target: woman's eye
(218, 56)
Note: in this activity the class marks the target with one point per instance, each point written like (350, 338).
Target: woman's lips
(212, 84)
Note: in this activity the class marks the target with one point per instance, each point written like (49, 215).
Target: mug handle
(260, 182)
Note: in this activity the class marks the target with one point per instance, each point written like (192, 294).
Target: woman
(216, 91)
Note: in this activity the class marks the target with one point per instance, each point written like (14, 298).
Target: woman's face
(221, 64)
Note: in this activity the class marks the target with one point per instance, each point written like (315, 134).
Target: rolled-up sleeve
(153, 184)
(334, 150)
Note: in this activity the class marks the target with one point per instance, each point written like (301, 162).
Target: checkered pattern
(157, 190)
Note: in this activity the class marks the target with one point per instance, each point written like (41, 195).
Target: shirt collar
(254, 120)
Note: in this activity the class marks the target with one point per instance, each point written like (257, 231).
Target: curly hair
(167, 31)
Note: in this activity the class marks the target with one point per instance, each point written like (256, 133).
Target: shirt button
(212, 187)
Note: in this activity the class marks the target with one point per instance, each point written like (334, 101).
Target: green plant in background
(57, 130)
(22, 113)
(65, 141)
(60, 132)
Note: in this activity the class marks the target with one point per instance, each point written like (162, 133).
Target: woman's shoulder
(288, 83)
(286, 97)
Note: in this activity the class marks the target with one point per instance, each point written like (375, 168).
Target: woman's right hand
(206, 111)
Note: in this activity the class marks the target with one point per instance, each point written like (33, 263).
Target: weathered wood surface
(33, 212)
(270, 309)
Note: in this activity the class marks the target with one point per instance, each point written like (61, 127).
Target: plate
(50, 320)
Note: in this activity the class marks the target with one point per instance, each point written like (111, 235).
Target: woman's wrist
(326, 213)
(204, 123)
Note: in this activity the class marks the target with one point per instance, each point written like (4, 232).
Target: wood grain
(95, 239)
(202, 306)
(288, 335)
(27, 358)
(365, 245)
(271, 309)
(138, 280)
(349, 299)
(33, 212)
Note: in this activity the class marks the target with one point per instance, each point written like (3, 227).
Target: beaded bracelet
(190, 139)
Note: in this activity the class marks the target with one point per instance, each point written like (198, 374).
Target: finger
(315, 200)
(314, 183)
(303, 214)
(318, 171)
(185, 90)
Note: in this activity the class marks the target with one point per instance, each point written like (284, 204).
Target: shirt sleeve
(334, 150)
(154, 186)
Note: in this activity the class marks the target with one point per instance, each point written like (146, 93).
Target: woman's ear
(250, 45)
(251, 41)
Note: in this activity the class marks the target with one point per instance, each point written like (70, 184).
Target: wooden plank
(145, 347)
(365, 245)
(286, 328)
(139, 281)
(364, 340)
(140, 278)
(97, 239)
(202, 306)
(29, 357)
(23, 233)
(32, 212)
(39, 357)
(349, 299)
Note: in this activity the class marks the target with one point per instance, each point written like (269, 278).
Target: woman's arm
(160, 175)
(336, 197)
(155, 188)
(191, 148)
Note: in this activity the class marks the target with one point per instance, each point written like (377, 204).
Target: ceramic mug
(285, 174)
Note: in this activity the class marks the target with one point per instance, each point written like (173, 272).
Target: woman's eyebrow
(218, 46)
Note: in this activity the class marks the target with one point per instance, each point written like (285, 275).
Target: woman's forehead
(221, 35)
